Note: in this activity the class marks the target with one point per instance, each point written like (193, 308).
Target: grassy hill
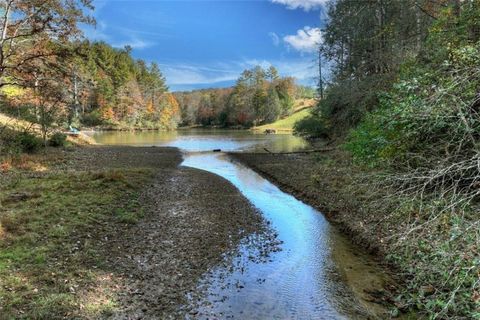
(301, 110)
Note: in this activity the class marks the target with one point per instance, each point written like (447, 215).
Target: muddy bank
(114, 232)
(325, 181)
(191, 218)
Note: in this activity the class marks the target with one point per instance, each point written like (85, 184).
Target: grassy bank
(301, 110)
(113, 232)
(436, 260)
(52, 226)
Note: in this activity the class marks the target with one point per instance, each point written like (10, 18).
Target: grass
(52, 230)
(18, 125)
(435, 248)
(286, 124)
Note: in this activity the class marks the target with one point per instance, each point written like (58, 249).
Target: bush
(58, 139)
(380, 136)
(425, 125)
(28, 142)
(92, 119)
(347, 101)
(311, 127)
(427, 133)
(14, 142)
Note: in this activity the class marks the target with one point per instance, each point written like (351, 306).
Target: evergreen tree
(273, 106)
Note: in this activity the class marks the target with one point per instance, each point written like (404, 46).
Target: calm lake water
(204, 140)
(317, 274)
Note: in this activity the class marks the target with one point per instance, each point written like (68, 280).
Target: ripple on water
(294, 283)
(316, 275)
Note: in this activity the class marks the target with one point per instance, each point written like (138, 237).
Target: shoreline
(156, 201)
(315, 199)
(126, 232)
(281, 170)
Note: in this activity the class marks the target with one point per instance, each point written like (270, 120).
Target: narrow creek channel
(303, 280)
(317, 274)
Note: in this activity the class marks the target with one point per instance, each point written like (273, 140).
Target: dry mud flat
(192, 219)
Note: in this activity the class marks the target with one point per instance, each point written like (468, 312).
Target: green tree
(273, 106)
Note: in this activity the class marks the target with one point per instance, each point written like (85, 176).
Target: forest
(403, 99)
(59, 80)
(104, 87)
(259, 96)
(54, 78)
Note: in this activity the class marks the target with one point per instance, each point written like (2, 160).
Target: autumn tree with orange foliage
(259, 96)
(31, 32)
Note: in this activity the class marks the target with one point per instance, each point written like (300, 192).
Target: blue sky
(201, 44)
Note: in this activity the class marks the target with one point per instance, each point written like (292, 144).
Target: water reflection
(317, 275)
(204, 140)
(293, 284)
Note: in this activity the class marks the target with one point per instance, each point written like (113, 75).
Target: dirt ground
(138, 231)
(193, 217)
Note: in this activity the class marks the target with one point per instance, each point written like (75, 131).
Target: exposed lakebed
(314, 273)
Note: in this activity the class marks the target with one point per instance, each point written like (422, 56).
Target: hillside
(16, 126)
(301, 110)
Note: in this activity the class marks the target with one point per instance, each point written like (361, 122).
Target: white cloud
(183, 76)
(190, 74)
(306, 5)
(301, 69)
(97, 32)
(306, 39)
(275, 38)
(135, 43)
(102, 32)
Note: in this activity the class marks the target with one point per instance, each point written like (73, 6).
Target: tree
(257, 96)
(31, 31)
(272, 74)
(131, 105)
(169, 115)
(366, 43)
(273, 107)
(286, 89)
(49, 98)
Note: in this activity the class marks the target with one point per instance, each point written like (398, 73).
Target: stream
(316, 274)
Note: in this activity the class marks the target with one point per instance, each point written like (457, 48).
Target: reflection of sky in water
(295, 285)
(204, 140)
(199, 143)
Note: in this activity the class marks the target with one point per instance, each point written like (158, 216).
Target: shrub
(28, 142)
(14, 142)
(311, 127)
(58, 139)
(92, 119)
(427, 132)
(425, 125)
(379, 138)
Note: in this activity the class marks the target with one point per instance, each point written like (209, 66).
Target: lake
(317, 274)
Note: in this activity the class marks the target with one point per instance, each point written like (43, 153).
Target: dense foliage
(259, 96)
(102, 85)
(405, 94)
(51, 77)
(366, 43)
(114, 88)
(34, 33)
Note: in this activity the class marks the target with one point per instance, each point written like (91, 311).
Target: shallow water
(317, 274)
(204, 140)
